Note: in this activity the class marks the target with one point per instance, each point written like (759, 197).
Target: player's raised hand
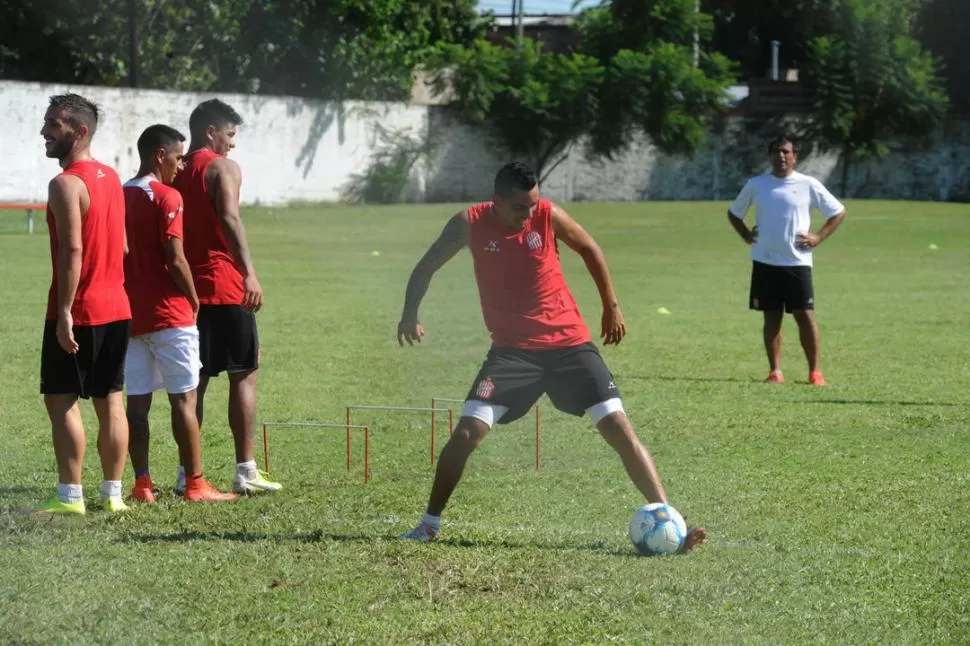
(409, 331)
(614, 328)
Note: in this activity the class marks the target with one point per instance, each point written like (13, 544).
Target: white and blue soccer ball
(657, 529)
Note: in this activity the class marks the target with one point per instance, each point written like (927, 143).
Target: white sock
(247, 469)
(110, 489)
(432, 521)
(70, 493)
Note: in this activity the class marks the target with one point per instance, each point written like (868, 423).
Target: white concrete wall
(290, 149)
(300, 150)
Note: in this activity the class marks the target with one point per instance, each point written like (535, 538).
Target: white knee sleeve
(598, 411)
(484, 411)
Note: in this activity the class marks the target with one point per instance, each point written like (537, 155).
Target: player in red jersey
(164, 348)
(540, 343)
(225, 280)
(86, 329)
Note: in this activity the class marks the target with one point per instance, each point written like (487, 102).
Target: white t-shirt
(784, 209)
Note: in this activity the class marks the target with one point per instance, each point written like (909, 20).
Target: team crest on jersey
(485, 388)
(534, 240)
(101, 174)
(492, 246)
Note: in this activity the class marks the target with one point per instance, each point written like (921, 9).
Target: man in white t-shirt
(781, 250)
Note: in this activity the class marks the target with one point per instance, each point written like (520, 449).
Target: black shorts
(774, 287)
(575, 379)
(228, 339)
(98, 367)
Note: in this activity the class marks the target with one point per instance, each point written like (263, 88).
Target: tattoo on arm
(452, 239)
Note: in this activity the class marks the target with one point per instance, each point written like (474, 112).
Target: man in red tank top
(86, 331)
(225, 280)
(164, 348)
(540, 343)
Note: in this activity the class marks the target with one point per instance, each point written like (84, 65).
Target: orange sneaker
(200, 490)
(816, 378)
(775, 377)
(144, 489)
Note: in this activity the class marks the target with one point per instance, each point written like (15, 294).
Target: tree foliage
(652, 84)
(633, 73)
(872, 82)
(328, 49)
(536, 103)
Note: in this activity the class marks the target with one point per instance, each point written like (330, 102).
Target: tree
(652, 85)
(633, 73)
(872, 82)
(744, 29)
(327, 49)
(943, 30)
(537, 104)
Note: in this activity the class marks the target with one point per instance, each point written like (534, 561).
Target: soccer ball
(657, 529)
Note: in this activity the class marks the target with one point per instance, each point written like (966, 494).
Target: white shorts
(166, 359)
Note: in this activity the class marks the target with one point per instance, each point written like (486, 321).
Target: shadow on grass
(321, 536)
(872, 402)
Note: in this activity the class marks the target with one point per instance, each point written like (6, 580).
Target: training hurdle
(29, 208)
(348, 427)
(410, 409)
(434, 401)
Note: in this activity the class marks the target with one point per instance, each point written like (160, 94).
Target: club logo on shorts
(492, 245)
(485, 388)
(534, 240)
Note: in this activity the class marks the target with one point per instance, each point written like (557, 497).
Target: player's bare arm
(576, 238)
(178, 269)
(68, 199)
(811, 240)
(748, 235)
(225, 179)
(453, 237)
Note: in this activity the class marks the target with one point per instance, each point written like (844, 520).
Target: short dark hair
(515, 176)
(79, 110)
(780, 141)
(155, 137)
(212, 113)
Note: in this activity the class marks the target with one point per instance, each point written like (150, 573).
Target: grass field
(837, 515)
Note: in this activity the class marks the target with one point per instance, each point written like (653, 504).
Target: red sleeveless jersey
(100, 296)
(153, 217)
(525, 300)
(218, 279)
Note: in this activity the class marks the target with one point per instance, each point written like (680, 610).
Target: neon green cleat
(54, 505)
(114, 504)
(259, 484)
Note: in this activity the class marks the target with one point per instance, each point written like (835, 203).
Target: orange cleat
(144, 489)
(775, 377)
(816, 378)
(200, 490)
(695, 536)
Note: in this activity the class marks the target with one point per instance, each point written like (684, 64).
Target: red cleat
(775, 377)
(200, 490)
(695, 536)
(144, 489)
(816, 378)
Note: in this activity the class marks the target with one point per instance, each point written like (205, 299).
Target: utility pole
(520, 25)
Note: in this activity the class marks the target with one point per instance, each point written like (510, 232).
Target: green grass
(837, 515)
